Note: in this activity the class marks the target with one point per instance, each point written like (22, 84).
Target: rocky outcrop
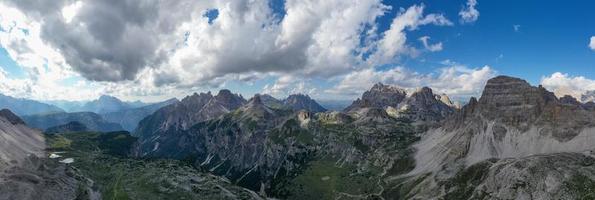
(18, 140)
(379, 96)
(188, 112)
(422, 106)
(272, 102)
(550, 177)
(509, 124)
(588, 96)
(25, 173)
(303, 102)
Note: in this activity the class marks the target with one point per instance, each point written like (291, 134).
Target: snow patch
(67, 160)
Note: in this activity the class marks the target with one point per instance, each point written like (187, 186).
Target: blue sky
(544, 42)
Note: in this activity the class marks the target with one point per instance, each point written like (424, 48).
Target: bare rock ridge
(512, 119)
(18, 140)
(379, 96)
(515, 133)
(189, 111)
(303, 102)
(11, 117)
(421, 106)
(26, 173)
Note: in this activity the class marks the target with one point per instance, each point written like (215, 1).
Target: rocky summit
(513, 129)
(189, 111)
(379, 96)
(422, 106)
(303, 102)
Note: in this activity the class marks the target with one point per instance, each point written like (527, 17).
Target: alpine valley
(516, 141)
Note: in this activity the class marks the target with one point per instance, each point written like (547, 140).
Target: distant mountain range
(104, 104)
(129, 118)
(26, 106)
(92, 121)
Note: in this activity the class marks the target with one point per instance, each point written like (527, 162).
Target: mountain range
(92, 121)
(104, 104)
(516, 141)
(26, 106)
(129, 118)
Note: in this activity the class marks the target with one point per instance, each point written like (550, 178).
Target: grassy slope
(101, 157)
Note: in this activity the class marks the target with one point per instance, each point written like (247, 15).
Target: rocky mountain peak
(256, 109)
(11, 117)
(303, 102)
(108, 98)
(230, 100)
(255, 101)
(514, 100)
(379, 96)
(446, 100)
(567, 99)
(196, 98)
(588, 96)
(425, 106)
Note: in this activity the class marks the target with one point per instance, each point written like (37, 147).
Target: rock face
(18, 140)
(92, 121)
(421, 106)
(379, 96)
(263, 148)
(424, 106)
(67, 128)
(25, 173)
(512, 121)
(188, 112)
(588, 96)
(272, 102)
(303, 102)
(234, 144)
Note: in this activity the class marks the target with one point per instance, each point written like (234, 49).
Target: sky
(151, 50)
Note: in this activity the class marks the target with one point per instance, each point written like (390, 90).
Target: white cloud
(151, 48)
(71, 10)
(563, 84)
(430, 47)
(469, 14)
(287, 85)
(456, 81)
(516, 28)
(592, 43)
(393, 42)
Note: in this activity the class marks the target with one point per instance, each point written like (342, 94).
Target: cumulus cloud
(468, 13)
(287, 85)
(563, 84)
(430, 47)
(151, 46)
(393, 42)
(592, 43)
(456, 81)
